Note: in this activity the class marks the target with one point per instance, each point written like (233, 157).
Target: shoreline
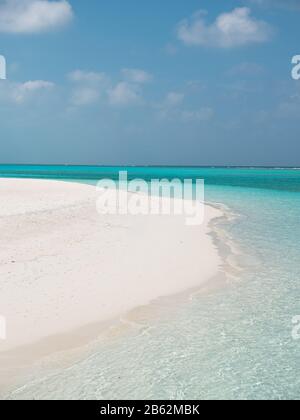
(46, 357)
(72, 334)
(137, 321)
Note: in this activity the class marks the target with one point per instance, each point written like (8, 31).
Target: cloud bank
(136, 75)
(20, 93)
(89, 87)
(124, 94)
(33, 16)
(234, 29)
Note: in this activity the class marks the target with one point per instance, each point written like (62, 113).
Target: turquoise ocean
(231, 341)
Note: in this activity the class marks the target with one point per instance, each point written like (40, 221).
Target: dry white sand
(64, 266)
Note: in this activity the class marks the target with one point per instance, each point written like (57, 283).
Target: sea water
(231, 341)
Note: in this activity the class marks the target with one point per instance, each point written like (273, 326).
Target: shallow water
(234, 341)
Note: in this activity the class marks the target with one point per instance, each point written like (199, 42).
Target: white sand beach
(64, 266)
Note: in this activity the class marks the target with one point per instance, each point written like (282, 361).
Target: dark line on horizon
(153, 166)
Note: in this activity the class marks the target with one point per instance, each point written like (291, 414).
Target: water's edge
(48, 360)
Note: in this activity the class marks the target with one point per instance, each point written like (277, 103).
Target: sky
(131, 82)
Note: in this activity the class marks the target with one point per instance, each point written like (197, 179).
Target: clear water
(279, 179)
(232, 342)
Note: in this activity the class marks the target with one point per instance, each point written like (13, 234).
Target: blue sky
(135, 82)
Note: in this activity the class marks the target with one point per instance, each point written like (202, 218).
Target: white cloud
(169, 106)
(26, 90)
(233, 29)
(136, 75)
(18, 93)
(33, 16)
(89, 86)
(83, 96)
(173, 99)
(200, 115)
(171, 109)
(86, 76)
(196, 85)
(124, 94)
(246, 69)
